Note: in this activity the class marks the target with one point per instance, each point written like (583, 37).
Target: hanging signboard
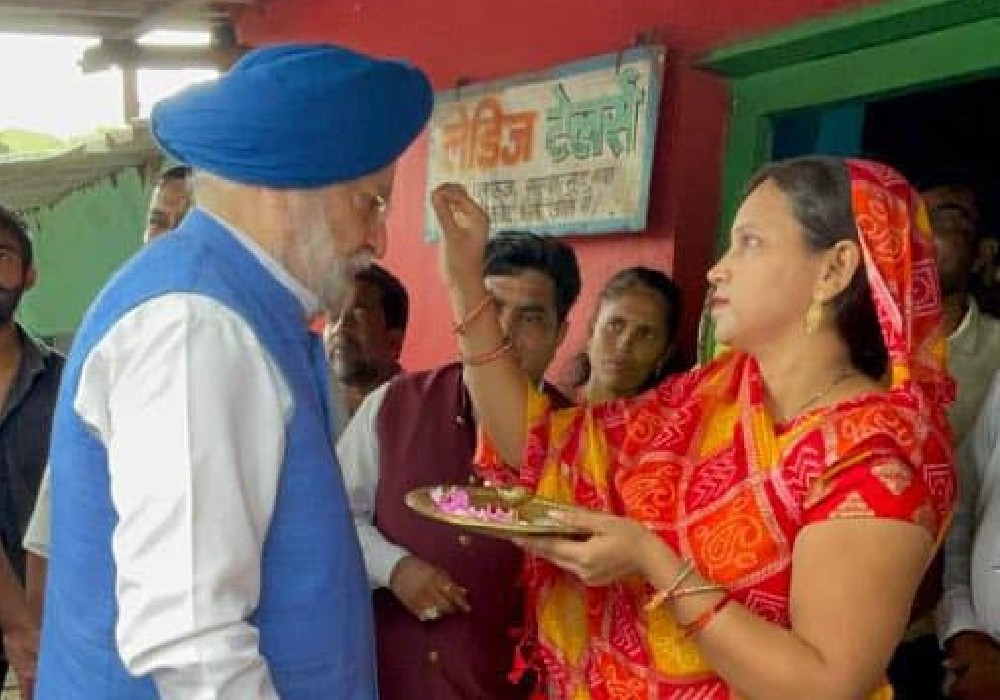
(568, 150)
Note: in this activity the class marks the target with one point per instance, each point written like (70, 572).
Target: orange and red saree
(700, 461)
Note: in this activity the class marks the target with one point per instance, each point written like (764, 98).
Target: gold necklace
(843, 375)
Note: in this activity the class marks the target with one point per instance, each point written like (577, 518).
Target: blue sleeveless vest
(314, 615)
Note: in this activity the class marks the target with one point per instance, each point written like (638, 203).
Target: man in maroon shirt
(447, 603)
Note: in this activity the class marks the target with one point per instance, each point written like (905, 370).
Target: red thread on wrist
(485, 358)
(705, 619)
(459, 327)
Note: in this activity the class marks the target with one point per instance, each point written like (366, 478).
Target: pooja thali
(499, 511)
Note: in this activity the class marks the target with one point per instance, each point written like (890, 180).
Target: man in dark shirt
(364, 343)
(29, 381)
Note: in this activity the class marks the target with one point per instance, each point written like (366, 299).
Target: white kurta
(971, 600)
(358, 454)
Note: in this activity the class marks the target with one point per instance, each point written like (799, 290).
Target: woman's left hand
(617, 547)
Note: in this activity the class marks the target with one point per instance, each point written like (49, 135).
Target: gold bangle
(695, 590)
(665, 594)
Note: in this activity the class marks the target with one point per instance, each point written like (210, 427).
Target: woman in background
(633, 334)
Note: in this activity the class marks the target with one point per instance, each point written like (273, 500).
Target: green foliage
(22, 142)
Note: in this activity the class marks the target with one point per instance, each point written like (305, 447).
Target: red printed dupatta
(700, 462)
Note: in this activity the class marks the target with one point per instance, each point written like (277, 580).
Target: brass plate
(532, 511)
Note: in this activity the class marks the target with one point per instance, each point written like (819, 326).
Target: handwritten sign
(564, 151)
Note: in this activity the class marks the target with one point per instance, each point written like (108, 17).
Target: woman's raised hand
(465, 229)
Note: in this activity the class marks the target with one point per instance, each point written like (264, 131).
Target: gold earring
(814, 316)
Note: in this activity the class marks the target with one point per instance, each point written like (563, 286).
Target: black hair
(393, 296)
(965, 224)
(819, 189)
(12, 223)
(673, 306)
(176, 172)
(654, 280)
(511, 252)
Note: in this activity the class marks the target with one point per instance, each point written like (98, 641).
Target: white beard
(315, 262)
(335, 283)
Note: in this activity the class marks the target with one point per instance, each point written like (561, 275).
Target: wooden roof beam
(63, 24)
(161, 14)
(114, 19)
(129, 54)
(91, 8)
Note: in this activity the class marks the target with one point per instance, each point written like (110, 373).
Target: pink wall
(488, 39)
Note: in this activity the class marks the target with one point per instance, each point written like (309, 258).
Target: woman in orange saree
(764, 520)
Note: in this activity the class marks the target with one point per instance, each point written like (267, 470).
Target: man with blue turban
(202, 545)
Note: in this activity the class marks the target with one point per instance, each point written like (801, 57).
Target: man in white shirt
(969, 615)
(202, 544)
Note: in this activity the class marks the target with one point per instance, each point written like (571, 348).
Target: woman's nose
(717, 272)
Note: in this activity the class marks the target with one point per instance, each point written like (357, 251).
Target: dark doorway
(947, 136)
(940, 136)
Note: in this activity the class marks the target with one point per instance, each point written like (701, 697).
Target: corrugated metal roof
(39, 181)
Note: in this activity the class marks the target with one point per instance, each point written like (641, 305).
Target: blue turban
(296, 116)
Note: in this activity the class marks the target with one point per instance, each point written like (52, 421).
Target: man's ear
(30, 277)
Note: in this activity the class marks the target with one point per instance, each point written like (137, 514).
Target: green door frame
(875, 52)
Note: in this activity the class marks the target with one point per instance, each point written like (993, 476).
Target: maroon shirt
(427, 436)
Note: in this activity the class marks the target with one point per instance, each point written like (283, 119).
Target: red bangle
(459, 327)
(484, 358)
(703, 620)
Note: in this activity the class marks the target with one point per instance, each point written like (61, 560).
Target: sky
(45, 90)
